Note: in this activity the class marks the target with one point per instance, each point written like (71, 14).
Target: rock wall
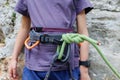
(103, 25)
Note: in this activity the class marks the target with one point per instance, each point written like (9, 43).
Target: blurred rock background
(103, 25)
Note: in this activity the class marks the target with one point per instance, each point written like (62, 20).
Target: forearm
(84, 48)
(82, 29)
(22, 35)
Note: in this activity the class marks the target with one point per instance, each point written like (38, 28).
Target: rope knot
(72, 38)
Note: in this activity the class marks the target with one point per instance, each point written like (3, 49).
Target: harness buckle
(45, 38)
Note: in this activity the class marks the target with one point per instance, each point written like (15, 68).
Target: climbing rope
(77, 38)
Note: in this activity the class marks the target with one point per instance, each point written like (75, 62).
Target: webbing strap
(43, 29)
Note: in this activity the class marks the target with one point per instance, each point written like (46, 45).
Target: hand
(13, 69)
(84, 73)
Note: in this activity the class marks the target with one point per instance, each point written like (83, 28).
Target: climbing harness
(35, 37)
(63, 41)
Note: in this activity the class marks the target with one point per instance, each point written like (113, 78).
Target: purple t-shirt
(51, 14)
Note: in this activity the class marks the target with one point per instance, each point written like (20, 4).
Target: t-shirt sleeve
(21, 7)
(83, 5)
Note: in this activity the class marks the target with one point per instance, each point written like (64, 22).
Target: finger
(10, 72)
(14, 73)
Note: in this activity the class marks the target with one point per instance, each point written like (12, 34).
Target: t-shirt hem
(47, 68)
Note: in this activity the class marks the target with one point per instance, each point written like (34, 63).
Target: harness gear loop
(33, 45)
(64, 60)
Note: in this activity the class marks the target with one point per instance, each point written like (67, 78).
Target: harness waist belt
(41, 29)
(37, 37)
(45, 38)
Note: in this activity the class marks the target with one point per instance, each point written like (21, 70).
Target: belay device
(69, 38)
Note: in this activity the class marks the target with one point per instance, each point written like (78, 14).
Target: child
(51, 17)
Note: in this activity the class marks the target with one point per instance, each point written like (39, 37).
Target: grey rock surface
(103, 25)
